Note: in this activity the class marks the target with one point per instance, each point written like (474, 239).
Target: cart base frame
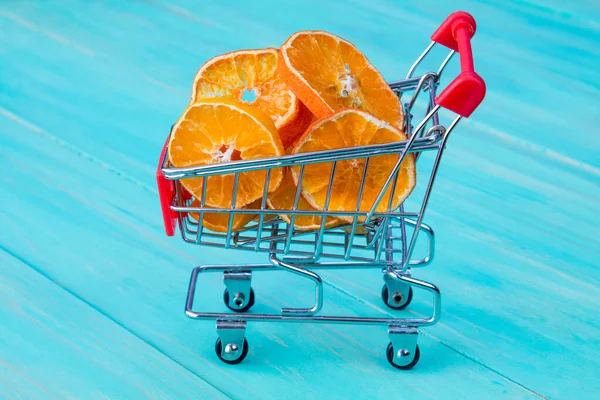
(232, 347)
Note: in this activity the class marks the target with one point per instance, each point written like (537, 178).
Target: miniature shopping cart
(375, 239)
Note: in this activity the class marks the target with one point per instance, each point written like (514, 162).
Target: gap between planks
(108, 317)
(96, 161)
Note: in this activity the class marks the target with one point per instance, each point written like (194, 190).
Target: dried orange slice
(222, 130)
(251, 76)
(283, 199)
(359, 230)
(328, 73)
(219, 222)
(350, 128)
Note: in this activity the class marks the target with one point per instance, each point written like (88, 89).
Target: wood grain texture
(55, 346)
(88, 91)
(118, 261)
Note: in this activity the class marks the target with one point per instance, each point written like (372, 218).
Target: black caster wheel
(390, 356)
(242, 353)
(245, 308)
(398, 302)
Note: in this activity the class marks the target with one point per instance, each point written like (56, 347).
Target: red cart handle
(464, 94)
(166, 193)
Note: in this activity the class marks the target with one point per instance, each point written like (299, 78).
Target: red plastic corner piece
(464, 94)
(444, 35)
(166, 193)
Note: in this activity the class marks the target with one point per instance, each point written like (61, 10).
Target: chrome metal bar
(189, 306)
(399, 163)
(430, 246)
(358, 202)
(263, 205)
(404, 85)
(201, 213)
(305, 274)
(403, 233)
(297, 212)
(445, 62)
(436, 117)
(430, 78)
(303, 256)
(386, 230)
(319, 238)
(348, 153)
(295, 208)
(434, 170)
(381, 241)
(389, 245)
(419, 59)
(236, 180)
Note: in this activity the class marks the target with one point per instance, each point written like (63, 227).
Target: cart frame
(387, 234)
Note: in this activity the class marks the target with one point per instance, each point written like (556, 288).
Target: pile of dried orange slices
(316, 92)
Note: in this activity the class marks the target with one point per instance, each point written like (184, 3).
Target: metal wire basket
(374, 239)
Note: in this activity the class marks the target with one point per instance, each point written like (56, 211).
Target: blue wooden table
(91, 291)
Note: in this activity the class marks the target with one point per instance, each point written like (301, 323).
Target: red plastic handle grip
(464, 94)
(166, 193)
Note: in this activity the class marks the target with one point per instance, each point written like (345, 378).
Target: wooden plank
(64, 216)
(100, 72)
(55, 346)
(514, 158)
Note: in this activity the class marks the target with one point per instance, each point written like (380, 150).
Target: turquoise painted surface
(92, 291)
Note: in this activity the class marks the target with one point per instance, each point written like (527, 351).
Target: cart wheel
(242, 307)
(242, 354)
(390, 356)
(401, 303)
